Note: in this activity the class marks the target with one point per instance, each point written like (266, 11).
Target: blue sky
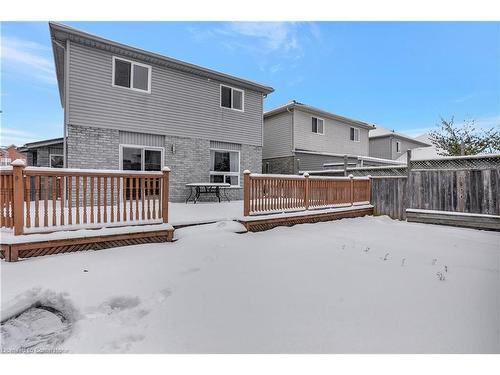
(400, 75)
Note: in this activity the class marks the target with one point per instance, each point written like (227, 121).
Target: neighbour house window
(398, 146)
(231, 98)
(131, 75)
(225, 167)
(317, 125)
(56, 161)
(354, 134)
(5, 162)
(137, 158)
(35, 158)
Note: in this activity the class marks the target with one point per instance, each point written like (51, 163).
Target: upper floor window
(354, 134)
(317, 125)
(398, 146)
(231, 98)
(131, 75)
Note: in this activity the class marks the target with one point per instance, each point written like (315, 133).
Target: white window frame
(6, 161)
(237, 174)
(318, 118)
(356, 131)
(50, 160)
(232, 101)
(132, 63)
(398, 147)
(142, 148)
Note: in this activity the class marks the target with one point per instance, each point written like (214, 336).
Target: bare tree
(455, 140)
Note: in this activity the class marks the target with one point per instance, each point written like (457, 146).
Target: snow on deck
(361, 285)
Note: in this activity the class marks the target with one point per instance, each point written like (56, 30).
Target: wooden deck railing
(267, 193)
(40, 199)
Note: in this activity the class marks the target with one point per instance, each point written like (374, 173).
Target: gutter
(70, 33)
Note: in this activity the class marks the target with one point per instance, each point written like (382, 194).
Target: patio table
(198, 188)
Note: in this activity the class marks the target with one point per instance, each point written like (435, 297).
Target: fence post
(351, 178)
(369, 188)
(18, 203)
(164, 193)
(408, 163)
(407, 199)
(246, 192)
(306, 191)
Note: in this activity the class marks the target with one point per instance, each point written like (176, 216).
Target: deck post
(351, 178)
(306, 191)
(164, 193)
(18, 203)
(246, 192)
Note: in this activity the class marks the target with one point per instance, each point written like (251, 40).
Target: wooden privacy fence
(464, 191)
(267, 193)
(40, 199)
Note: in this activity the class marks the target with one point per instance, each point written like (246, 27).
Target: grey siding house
(126, 108)
(388, 144)
(298, 137)
(47, 153)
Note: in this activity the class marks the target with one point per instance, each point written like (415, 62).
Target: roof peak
(294, 103)
(60, 33)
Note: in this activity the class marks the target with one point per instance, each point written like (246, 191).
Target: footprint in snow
(190, 270)
(122, 345)
(120, 303)
(163, 295)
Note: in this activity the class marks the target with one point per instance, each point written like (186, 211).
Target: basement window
(131, 75)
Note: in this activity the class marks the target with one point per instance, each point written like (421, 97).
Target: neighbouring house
(47, 153)
(10, 153)
(422, 153)
(130, 109)
(389, 144)
(299, 137)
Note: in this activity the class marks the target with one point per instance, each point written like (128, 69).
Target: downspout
(293, 132)
(66, 101)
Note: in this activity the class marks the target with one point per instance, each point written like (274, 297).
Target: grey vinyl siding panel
(312, 162)
(381, 148)
(385, 147)
(278, 136)
(336, 137)
(142, 139)
(225, 145)
(405, 145)
(180, 104)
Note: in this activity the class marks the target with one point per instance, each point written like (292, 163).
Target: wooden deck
(262, 223)
(27, 248)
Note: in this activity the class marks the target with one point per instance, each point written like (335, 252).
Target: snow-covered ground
(187, 213)
(367, 285)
